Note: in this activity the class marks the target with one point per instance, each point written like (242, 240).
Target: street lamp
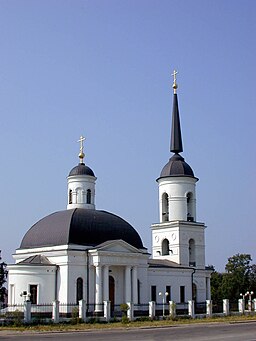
(164, 296)
(249, 293)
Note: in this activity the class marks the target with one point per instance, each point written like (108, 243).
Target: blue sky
(102, 68)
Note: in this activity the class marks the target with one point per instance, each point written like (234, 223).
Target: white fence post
(209, 308)
(172, 309)
(241, 305)
(254, 304)
(130, 311)
(107, 310)
(152, 309)
(56, 311)
(191, 308)
(82, 310)
(226, 307)
(27, 311)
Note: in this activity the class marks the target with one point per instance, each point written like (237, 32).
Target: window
(189, 207)
(153, 293)
(194, 292)
(79, 289)
(70, 196)
(168, 290)
(88, 196)
(165, 207)
(33, 293)
(138, 288)
(12, 293)
(192, 253)
(182, 294)
(165, 247)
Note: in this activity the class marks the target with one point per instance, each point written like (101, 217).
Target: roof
(164, 263)
(81, 169)
(80, 226)
(36, 260)
(176, 139)
(176, 166)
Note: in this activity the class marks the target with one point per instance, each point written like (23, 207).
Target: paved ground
(245, 331)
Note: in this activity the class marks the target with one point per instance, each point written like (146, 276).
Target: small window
(190, 207)
(168, 290)
(194, 292)
(165, 247)
(192, 253)
(165, 207)
(33, 293)
(138, 288)
(70, 196)
(182, 294)
(153, 293)
(79, 289)
(88, 196)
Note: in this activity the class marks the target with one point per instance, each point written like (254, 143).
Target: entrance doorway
(112, 292)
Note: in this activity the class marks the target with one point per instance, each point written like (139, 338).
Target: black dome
(176, 167)
(80, 226)
(81, 169)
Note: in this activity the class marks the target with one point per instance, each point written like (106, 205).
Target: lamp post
(249, 293)
(26, 296)
(164, 296)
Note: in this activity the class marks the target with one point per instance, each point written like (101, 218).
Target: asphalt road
(205, 332)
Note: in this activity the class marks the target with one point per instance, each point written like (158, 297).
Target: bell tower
(81, 183)
(178, 236)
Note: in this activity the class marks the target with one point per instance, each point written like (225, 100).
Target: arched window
(192, 253)
(70, 196)
(194, 292)
(79, 289)
(88, 196)
(190, 207)
(165, 207)
(165, 247)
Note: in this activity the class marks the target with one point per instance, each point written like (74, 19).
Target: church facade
(85, 253)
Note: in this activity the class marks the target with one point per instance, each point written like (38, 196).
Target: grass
(117, 325)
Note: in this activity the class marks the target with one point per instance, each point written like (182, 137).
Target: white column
(208, 308)
(56, 311)
(226, 307)
(98, 288)
(105, 283)
(172, 309)
(128, 284)
(82, 310)
(152, 309)
(135, 285)
(191, 309)
(107, 310)
(241, 305)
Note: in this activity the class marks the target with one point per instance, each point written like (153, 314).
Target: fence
(59, 312)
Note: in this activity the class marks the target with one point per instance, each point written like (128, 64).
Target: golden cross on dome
(81, 154)
(175, 85)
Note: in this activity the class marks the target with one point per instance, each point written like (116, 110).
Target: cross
(175, 85)
(81, 140)
(174, 76)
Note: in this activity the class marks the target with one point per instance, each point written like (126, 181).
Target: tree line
(239, 277)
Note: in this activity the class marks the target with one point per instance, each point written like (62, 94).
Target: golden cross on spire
(81, 154)
(175, 85)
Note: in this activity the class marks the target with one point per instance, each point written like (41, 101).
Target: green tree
(3, 279)
(237, 278)
(216, 286)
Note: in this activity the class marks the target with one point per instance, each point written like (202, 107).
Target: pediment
(117, 246)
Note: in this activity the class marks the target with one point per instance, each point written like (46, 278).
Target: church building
(85, 253)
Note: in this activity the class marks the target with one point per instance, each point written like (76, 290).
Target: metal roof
(81, 227)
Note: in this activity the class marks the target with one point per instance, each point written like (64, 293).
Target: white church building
(85, 253)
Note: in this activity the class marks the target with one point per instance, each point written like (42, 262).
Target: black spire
(176, 140)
